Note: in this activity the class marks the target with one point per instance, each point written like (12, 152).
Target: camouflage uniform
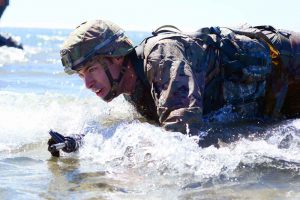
(190, 76)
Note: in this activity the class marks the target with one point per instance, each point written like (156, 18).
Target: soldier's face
(95, 78)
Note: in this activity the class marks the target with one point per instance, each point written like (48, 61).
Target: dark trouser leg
(3, 5)
(2, 10)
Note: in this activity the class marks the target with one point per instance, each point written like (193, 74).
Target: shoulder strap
(166, 28)
(142, 50)
(163, 32)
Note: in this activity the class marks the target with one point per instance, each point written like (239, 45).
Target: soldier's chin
(108, 97)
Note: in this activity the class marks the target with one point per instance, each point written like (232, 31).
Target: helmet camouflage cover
(92, 38)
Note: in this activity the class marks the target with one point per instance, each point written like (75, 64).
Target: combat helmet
(97, 37)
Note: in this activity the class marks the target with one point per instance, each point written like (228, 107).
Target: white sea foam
(27, 118)
(152, 152)
(296, 123)
(9, 55)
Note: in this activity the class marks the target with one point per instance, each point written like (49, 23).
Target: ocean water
(122, 157)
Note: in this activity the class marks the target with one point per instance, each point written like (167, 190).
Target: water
(123, 157)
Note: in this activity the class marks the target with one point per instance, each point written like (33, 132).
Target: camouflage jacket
(190, 77)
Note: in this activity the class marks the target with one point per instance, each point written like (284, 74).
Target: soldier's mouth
(99, 92)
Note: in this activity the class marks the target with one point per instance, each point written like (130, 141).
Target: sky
(147, 15)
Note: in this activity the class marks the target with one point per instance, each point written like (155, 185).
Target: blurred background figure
(7, 40)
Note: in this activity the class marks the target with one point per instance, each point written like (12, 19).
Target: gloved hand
(67, 144)
(54, 152)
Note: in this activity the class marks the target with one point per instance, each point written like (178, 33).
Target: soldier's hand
(67, 144)
(54, 152)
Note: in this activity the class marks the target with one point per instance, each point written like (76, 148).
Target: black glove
(54, 152)
(67, 144)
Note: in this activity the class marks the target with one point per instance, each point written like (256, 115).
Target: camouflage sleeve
(175, 89)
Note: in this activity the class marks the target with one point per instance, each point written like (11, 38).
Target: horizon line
(56, 26)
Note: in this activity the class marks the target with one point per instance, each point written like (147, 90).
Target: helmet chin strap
(114, 83)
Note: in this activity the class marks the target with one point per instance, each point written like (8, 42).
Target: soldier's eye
(91, 69)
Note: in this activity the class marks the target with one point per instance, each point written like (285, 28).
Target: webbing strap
(114, 83)
(258, 36)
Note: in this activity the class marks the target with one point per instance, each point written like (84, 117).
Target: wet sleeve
(175, 88)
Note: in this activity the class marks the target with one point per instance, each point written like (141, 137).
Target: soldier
(177, 79)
